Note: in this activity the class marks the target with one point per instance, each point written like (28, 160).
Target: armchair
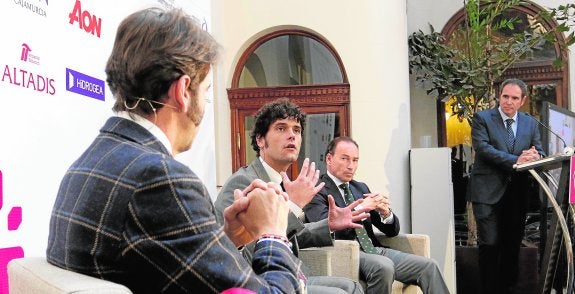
(342, 260)
(36, 275)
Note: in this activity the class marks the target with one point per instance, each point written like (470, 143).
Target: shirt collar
(272, 173)
(505, 117)
(337, 181)
(148, 125)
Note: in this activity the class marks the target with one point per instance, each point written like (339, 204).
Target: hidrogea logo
(25, 78)
(83, 84)
(90, 23)
(38, 7)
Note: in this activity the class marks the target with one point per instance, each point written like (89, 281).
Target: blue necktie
(360, 233)
(510, 134)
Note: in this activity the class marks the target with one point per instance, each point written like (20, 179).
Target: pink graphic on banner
(9, 253)
(14, 218)
(25, 50)
(572, 181)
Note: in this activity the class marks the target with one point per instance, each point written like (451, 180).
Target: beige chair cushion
(342, 260)
(36, 275)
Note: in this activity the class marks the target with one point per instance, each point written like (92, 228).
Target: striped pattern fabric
(128, 212)
(510, 134)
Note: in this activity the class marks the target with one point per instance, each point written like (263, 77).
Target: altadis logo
(23, 77)
(86, 85)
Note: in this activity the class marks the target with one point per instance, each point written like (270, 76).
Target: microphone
(566, 150)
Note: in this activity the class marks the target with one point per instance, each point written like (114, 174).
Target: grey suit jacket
(494, 160)
(306, 235)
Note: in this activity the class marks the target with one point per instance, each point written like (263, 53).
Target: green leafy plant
(467, 68)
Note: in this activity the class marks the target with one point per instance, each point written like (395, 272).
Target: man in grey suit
(502, 137)
(378, 265)
(276, 138)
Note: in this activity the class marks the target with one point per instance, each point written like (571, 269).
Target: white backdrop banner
(53, 101)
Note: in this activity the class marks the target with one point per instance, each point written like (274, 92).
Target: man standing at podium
(502, 137)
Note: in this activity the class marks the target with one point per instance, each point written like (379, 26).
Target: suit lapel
(259, 170)
(522, 131)
(333, 190)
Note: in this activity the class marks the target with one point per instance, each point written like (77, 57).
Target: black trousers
(500, 229)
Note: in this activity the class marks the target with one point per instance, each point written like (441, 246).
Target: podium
(557, 261)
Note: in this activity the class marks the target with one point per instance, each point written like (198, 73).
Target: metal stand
(559, 233)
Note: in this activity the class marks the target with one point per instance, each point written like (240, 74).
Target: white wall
(370, 37)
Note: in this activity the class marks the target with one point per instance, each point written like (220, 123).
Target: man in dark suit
(379, 266)
(127, 211)
(276, 138)
(502, 137)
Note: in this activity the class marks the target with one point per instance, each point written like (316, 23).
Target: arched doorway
(301, 66)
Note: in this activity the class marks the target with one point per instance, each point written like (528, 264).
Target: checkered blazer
(128, 212)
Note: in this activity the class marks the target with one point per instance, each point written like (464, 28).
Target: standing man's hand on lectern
(528, 155)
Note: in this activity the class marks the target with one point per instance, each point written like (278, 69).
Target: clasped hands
(528, 155)
(378, 202)
(261, 208)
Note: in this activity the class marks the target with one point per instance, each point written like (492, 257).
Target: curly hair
(269, 113)
(153, 48)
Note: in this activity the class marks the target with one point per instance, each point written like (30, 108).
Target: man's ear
(328, 158)
(178, 92)
(260, 141)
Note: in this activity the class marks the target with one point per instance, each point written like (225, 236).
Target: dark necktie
(510, 134)
(361, 233)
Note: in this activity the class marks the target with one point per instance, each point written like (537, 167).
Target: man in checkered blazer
(128, 212)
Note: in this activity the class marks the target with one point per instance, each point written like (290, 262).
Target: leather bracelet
(276, 237)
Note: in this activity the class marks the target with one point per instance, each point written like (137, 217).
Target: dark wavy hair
(153, 48)
(269, 113)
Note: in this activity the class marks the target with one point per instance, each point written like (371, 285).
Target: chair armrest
(317, 260)
(418, 244)
(36, 275)
(340, 260)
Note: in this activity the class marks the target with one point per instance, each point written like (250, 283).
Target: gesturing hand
(303, 188)
(346, 217)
